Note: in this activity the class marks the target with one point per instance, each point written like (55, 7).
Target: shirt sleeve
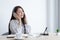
(28, 29)
(13, 27)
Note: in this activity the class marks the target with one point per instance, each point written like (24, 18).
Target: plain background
(35, 10)
(40, 14)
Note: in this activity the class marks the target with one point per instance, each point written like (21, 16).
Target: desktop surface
(41, 37)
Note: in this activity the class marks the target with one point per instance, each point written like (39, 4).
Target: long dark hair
(13, 18)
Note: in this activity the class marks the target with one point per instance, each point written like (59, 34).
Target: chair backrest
(9, 29)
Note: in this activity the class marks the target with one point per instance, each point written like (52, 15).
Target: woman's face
(20, 12)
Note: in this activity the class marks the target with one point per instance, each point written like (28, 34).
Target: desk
(55, 37)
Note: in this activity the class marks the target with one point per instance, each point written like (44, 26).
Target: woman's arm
(13, 27)
(28, 29)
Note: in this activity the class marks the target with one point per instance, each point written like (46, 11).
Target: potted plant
(57, 31)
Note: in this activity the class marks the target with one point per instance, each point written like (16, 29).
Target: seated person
(18, 23)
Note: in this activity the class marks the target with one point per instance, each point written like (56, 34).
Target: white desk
(55, 37)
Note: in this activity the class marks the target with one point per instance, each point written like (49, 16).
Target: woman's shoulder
(27, 25)
(13, 21)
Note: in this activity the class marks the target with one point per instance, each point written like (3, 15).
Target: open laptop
(44, 33)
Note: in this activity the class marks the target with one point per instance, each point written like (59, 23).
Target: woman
(18, 23)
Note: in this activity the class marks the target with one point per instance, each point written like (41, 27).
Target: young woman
(18, 22)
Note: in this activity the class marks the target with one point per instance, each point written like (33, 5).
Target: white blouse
(16, 28)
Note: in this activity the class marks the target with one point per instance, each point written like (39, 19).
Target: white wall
(59, 13)
(36, 11)
(52, 15)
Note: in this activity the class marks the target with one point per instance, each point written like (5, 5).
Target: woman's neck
(20, 22)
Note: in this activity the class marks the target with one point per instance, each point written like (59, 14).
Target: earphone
(14, 14)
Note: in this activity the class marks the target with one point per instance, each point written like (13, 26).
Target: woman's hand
(16, 16)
